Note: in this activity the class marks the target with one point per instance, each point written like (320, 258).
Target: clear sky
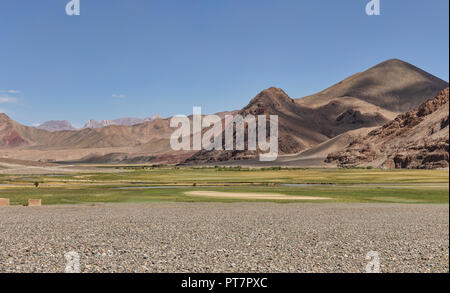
(136, 58)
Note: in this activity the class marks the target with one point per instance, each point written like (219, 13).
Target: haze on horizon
(135, 60)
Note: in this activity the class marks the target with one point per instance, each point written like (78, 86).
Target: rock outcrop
(416, 139)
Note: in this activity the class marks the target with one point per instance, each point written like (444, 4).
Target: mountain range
(61, 125)
(121, 121)
(310, 128)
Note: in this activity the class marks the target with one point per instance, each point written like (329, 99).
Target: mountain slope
(368, 99)
(416, 139)
(9, 136)
(393, 85)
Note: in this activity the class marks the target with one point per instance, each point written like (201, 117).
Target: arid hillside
(393, 85)
(415, 139)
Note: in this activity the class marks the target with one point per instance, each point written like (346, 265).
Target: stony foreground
(215, 237)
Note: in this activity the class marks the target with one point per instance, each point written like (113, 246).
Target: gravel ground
(216, 237)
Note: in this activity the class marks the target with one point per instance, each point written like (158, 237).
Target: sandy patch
(271, 196)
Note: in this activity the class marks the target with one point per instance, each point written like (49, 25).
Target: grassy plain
(170, 184)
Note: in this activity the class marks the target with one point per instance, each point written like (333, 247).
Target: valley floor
(109, 184)
(218, 237)
(225, 219)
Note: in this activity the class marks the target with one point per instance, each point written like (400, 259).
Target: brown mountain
(415, 139)
(393, 85)
(367, 99)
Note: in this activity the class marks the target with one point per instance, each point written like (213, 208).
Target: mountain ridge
(364, 100)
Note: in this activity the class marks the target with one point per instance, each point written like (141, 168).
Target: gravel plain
(218, 237)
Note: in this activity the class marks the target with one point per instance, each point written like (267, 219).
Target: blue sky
(123, 58)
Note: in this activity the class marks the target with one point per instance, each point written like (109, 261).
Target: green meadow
(170, 184)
